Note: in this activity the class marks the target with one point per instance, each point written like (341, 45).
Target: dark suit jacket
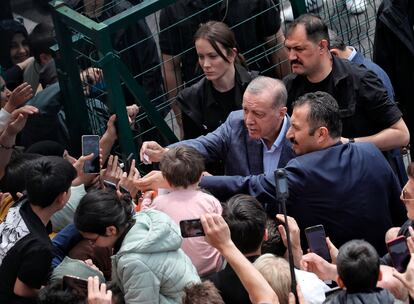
(349, 188)
(231, 143)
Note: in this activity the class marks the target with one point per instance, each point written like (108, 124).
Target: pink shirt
(186, 204)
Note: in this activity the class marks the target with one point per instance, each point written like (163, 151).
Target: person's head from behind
(358, 266)
(307, 43)
(274, 242)
(202, 293)
(40, 41)
(15, 47)
(337, 45)
(246, 218)
(216, 48)
(13, 180)
(182, 166)
(53, 293)
(315, 123)
(101, 217)
(48, 181)
(407, 194)
(264, 108)
(277, 273)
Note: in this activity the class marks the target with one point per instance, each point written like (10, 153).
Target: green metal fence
(123, 41)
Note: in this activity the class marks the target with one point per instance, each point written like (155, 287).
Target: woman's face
(213, 65)
(407, 196)
(99, 240)
(19, 49)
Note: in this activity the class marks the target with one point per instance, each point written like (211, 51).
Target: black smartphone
(128, 163)
(109, 185)
(90, 144)
(399, 253)
(76, 285)
(316, 238)
(191, 228)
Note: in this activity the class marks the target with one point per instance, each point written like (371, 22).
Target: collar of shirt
(271, 156)
(352, 54)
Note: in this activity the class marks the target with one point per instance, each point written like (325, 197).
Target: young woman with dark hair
(206, 104)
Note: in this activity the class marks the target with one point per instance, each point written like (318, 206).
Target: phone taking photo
(76, 285)
(399, 253)
(90, 144)
(316, 238)
(191, 228)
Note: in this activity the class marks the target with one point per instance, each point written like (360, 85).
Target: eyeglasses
(405, 195)
(93, 241)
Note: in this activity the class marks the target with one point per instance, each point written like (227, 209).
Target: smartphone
(109, 185)
(191, 228)
(76, 285)
(90, 144)
(316, 238)
(128, 163)
(399, 253)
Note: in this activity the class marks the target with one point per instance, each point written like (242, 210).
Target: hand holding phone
(191, 228)
(90, 144)
(316, 238)
(399, 253)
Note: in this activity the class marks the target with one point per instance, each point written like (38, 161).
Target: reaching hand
(82, 177)
(18, 97)
(217, 231)
(407, 278)
(113, 171)
(128, 180)
(152, 181)
(97, 294)
(16, 125)
(151, 151)
(333, 251)
(294, 232)
(314, 263)
(132, 112)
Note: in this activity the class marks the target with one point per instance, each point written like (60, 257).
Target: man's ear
(266, 235)
(340, 282)
(323, 134)
(62, 198)
(380, 275)
(323, 44)
(111, 231)
(335, 52)
(282, 111)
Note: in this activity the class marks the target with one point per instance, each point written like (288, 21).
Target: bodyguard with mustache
(367, 112)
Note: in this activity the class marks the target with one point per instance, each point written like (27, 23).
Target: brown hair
(202, 293)
(182, 166)
(218, 32)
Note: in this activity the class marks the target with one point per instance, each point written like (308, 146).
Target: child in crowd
(359, 271)
(182, 167)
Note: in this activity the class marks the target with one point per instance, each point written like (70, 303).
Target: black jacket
(377, 296)
(201, 114)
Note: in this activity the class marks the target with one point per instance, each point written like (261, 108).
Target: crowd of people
(213, 222)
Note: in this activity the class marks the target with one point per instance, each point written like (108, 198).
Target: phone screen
(316, 238)
(90, 144)
(191, 228)
(76, 285)
(399, 252)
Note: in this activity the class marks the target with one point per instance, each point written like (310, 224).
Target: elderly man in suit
(251, 141)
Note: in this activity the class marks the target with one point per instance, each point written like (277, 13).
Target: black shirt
(25, 252)
(364, 105)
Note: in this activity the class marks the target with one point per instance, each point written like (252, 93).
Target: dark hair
(41, 39)
(410, 170)
(246, 218)
(202, 293)
(46, 178)
(47, 147)
(13, 180)
(335, 41)
(358, 265)
(99, 209)
(218, 32)
(315, 28)
(323, 111)
(117, 294)
(182, 166)
(9, 28)
(54, 294)
(274, 243)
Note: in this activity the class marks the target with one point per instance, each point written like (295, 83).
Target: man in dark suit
(349, 188)
(251, 141)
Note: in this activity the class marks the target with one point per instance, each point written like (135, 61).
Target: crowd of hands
(217, 232)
